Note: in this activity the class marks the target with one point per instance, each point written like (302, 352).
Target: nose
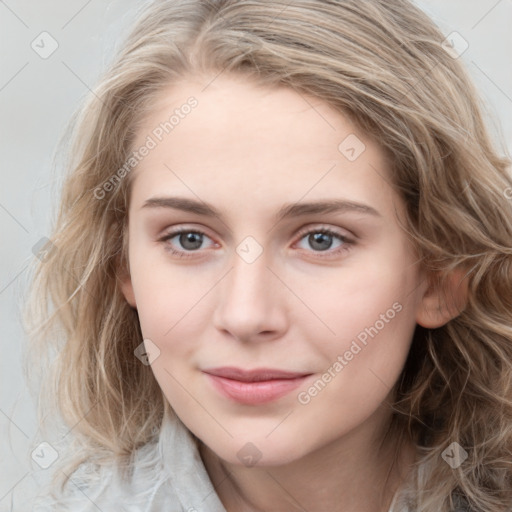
(252, 302)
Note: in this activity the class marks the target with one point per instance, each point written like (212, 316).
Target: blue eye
(190, 240)
(320, 240)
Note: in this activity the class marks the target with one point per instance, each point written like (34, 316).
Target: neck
(357, 473)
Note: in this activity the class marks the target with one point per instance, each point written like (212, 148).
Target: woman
(338, 335)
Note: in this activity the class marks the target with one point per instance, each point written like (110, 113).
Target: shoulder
(143, 487)
(164, 475)
(405, 499)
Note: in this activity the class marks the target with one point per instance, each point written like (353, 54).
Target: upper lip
(253, 375)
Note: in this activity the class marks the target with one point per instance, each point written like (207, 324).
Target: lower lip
(255, 392)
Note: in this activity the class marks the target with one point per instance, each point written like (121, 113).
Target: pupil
(193, 238)
(317, 240)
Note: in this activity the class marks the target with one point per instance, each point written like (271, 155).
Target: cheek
(355, 296)
(371, 313)
(167, 294)
(172, 319)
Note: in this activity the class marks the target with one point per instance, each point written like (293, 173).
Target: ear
(443, 300)
(124, 280)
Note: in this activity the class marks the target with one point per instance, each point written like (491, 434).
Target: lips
(253, 387)
(255, 375)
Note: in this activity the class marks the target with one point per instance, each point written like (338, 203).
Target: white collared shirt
(168, 476)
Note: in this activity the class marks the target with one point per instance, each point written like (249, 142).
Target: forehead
(257, 144)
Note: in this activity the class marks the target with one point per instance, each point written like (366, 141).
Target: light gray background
(37, 98)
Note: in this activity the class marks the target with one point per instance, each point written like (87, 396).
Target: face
(262, 280)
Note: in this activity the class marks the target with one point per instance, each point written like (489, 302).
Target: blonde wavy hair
(380, 62)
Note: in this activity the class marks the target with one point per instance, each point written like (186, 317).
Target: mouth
(256, 386)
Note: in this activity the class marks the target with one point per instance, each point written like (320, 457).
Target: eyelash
(347, 243)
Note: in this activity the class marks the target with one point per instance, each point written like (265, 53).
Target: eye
(188, 239)
(322, 239)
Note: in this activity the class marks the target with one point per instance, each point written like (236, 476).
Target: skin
(247, 151)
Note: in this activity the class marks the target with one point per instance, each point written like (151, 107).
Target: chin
(259, 452)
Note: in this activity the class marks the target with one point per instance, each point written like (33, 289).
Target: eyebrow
(289, 210)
